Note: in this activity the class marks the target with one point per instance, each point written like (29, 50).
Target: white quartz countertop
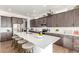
(40, 41)
(70, 34)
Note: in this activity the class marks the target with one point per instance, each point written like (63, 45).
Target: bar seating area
(21, 45)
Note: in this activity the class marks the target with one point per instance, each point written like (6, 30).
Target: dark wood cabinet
(65, 19)
(5, 21)
(3, 36)
(44, 20)
(68, 42)
(69, 19)
(8, 22)
(8, 35)
(38, 23)
(20, 21)
(32, 23)
(76, 18)
(6, 28)
(51, 21)
(17, 20)
(60, 19)
(14, 20)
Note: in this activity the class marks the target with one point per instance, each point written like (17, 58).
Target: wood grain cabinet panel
(20, 21)
(3, 21)
(51, 21)
(33, 23)
(8, 22)
(3, 36)
(68, 42)
(8, 35)
(76, 18)
(44, 20)
(14, 20)
(69, 19)
(60, 19)
(38, 23)
(17, 20)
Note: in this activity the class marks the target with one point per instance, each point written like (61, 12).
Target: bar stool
(15, 42)
(27, 47)
(20, 42)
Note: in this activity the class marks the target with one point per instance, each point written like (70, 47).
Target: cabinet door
(0, 36)
(51, 21)
(68, 20)
(68, 42)
(20, 20)
(8, 22)
(76, 18)
(3, 21)
(3, 36)
(33, 23)
(14, 20)
(44, 20)
(8, 35)
(60, 20)
(76, 43)
(38, 23)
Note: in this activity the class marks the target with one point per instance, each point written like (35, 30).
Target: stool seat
(14, 37)
(27, 45)
(21, 41)
(18, 38)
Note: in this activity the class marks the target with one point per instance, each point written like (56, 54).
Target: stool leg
(12, 43)
(15, 45)
(20, 48)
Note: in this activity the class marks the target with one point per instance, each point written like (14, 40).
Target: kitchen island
(43, 44)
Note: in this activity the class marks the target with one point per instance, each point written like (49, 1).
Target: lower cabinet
(5, 36)
(68, 42)
(0, 36)
(76, 43)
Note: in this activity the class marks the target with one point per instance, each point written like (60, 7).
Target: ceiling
(33, 10)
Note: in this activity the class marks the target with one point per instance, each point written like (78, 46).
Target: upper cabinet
(9, 22)
(69, 19)
(20, 21)
(60, 19)
(17, 20)
(14, 20)
(6, 21)
(65, 19)
(32, 23)
(38, 23)
(76, 18)
(51, 21)
(3, 21)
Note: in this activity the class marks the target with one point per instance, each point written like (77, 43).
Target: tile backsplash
(61, 30)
